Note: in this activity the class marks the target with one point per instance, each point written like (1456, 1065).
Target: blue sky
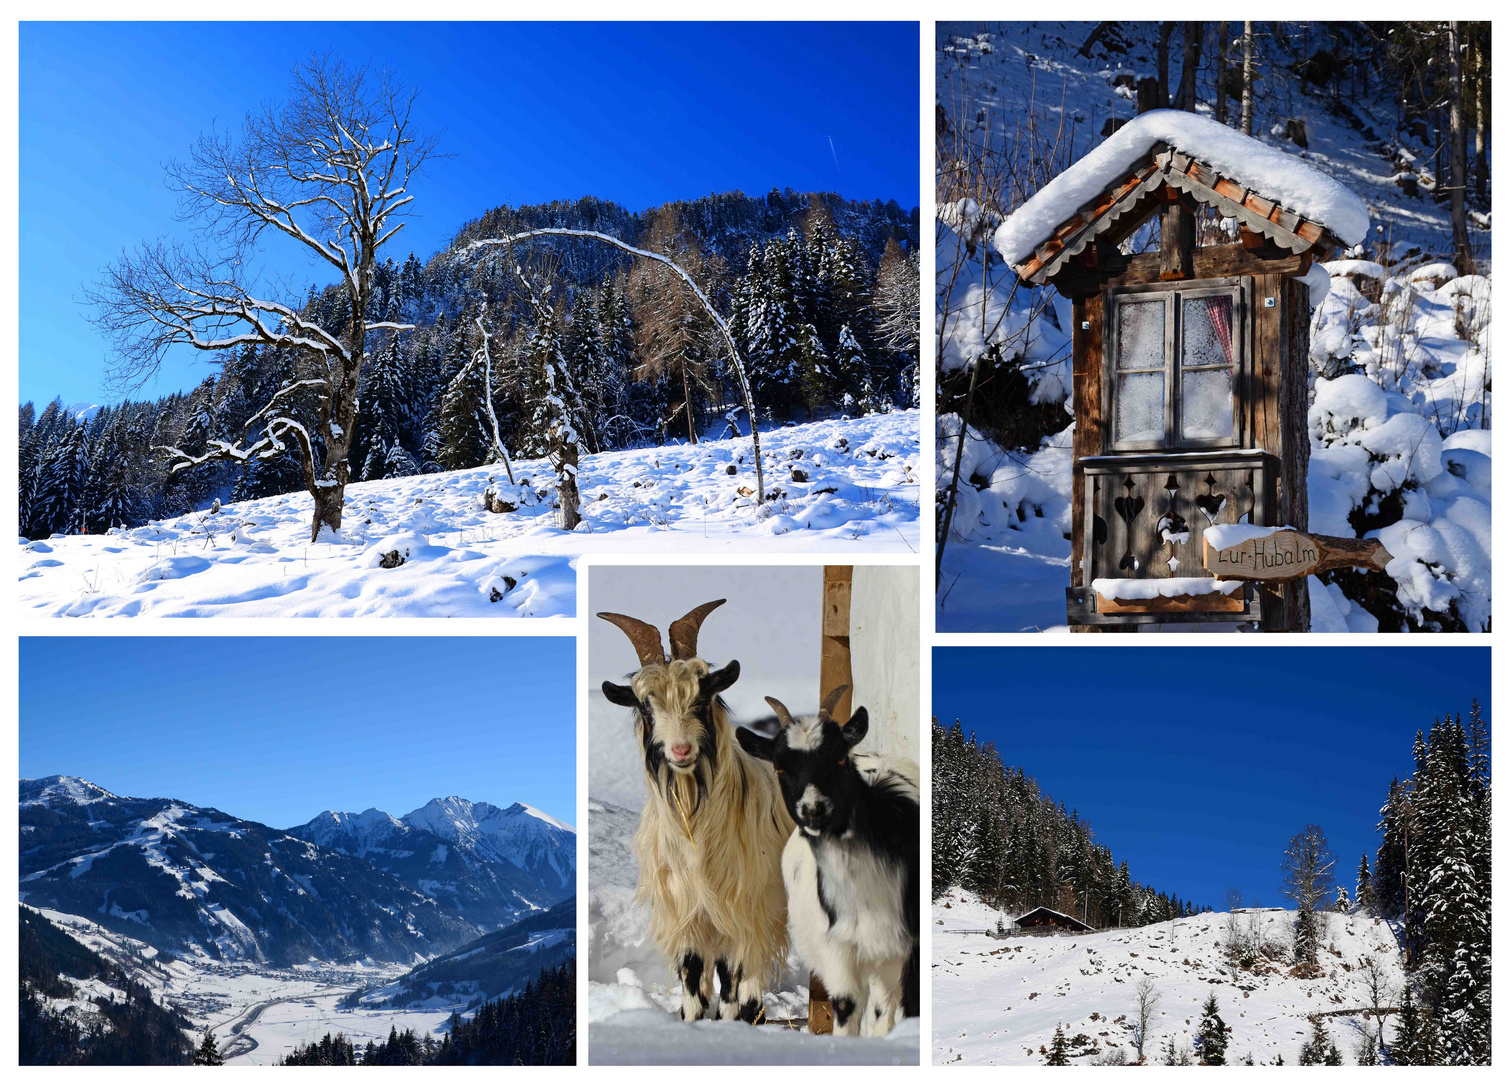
(637, 113)
(256, 727)
(1197, 764)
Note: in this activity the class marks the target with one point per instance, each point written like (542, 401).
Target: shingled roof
(1269, 192)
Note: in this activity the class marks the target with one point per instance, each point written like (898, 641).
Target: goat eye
(841, 763)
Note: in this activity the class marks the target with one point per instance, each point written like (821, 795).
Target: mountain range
(342, 887)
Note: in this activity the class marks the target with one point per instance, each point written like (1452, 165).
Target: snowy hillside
(1400, 404)
(194, 880)
(519, 835)
(488, 865)
(997, 1002)
(833, 485)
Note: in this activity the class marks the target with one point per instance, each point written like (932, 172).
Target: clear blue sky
(636, 113)
(1198, 764)
(278, 729)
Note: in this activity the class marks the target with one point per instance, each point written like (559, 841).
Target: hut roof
(1058, 914)
(1269, 191)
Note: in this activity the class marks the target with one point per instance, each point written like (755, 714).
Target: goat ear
(758, 746)
(621, 695)
(855, 730)
(721, 679)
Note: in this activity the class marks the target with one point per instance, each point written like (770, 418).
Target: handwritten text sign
(1280, 555)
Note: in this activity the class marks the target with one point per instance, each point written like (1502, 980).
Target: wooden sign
(1285, 553)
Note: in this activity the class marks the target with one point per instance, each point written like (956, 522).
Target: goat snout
(812, 811)
(681, 753)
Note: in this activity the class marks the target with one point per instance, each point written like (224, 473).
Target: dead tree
(1247, 94)
(1464, 260)
(328, 170)
(724, 328)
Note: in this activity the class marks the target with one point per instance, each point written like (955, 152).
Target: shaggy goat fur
(851, 867)
(709, 846)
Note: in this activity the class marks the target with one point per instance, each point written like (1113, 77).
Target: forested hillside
(997, 834)
(821, 294)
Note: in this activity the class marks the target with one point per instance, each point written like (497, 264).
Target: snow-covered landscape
(999, 1001)
(833, 485)
(1399, 412)
(258, 1013)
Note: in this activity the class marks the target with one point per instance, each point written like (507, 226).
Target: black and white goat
(851, 866)
(709, 846)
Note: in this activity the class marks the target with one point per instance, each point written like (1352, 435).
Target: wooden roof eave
(1287, 230)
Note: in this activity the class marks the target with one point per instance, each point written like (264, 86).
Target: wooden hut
(1043, 920)
(1189, 363)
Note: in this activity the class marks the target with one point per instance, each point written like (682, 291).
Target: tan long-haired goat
(710, 841)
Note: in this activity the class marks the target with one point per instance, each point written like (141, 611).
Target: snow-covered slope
(997, 1002)
(190, 879)
(489, 866)
(518, 834)
(838, 485)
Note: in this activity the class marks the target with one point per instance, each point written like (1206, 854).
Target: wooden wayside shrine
(1189, 380)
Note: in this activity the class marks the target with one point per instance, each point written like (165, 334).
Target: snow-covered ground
(844, 485)
(259, 1013)
(997, 1002)
(1416, 441)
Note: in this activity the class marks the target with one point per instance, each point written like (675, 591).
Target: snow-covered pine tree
(384, 411)
(1212, 1038)
(1364, 891)
(465, 440)
(1060, 1049)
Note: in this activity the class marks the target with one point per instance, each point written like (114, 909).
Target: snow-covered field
(1415, 442)
(845, 485)
(259, 1013)
(997, 1002)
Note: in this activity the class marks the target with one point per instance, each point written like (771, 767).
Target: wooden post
(834, 670)
(1178, 239)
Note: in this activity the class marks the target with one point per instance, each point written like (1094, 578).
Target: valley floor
(259, 1014)
(997, 1002)
(842, 485)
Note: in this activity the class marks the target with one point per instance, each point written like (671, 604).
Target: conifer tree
(208, 1053)
(1059, 1049)
(1212, 1034)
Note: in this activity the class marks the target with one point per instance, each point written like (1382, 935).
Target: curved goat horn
(783, 716)
(646, 638)
(832, 700)
(684, 632)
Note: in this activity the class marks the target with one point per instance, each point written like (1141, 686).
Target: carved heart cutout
(1099, 530)
(1129, 507)
(1210, 505)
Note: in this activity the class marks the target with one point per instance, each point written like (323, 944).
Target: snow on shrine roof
(1169, 141)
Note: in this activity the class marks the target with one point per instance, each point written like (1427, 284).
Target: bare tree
(1307, 879)
(1464, 261)
(1163, 62)
(1247, 94)
(1191, 54)
(1220, 99)
(1146, 1001)
(724, 328)
(328, 170)
(1380, 991)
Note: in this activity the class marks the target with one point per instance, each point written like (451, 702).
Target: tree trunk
(1220, 104)
(1191, 55)
(1163, 63)
(565, 461)
(1482, 109)
(688, 402)
(1464, 261)
(1247, 97)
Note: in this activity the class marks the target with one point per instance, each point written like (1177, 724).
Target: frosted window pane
(1207, 331)
(1141, 335)
(1207, 404)
(1140, 408)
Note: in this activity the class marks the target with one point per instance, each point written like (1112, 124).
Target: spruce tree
(1059, 1049)
(1212, 1034)
(208, 1053)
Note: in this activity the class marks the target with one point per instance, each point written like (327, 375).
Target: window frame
(1172, 295)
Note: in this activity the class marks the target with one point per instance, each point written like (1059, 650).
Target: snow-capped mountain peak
(519, 834)
(69, 788)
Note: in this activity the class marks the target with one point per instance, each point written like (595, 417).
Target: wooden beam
(1178, 241)
(1222, 260)
(834, 670)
